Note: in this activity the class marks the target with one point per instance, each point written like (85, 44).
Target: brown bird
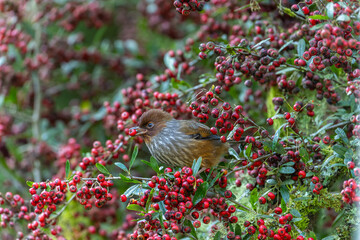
(178, 142)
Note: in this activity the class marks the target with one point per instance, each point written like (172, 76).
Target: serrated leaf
(284, 191)
(200, 192)
(135, 207)
(29, 183)
(196, 165)
(330, 10)
(122, 166)
(131, 190)
(287, 170)
(341, 133)
(301, 48)
(102, 168)
(319, 17)
(133, 156)
(67, 169)
(254, 196)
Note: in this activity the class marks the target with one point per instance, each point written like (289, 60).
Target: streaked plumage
(178, 142)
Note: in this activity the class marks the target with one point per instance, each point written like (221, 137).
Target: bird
(178, 143)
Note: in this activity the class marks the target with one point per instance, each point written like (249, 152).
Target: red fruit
(278, 210)
(302, 174)
(262, 200)
(123, 198)
(270, 121)
(287, 115)
(197, 224)
(315, 179)
(271, 195)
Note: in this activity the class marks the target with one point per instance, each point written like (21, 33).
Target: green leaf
(341, 133)
(238, 229)
(122, 166)
(276, 137)
(133, 156)
(233, 153)
(318, 26)
(332, 237)
(271, 181)
(284, 191)
(279, 148)
(340, 150)
(128, 180)
(261, 43)
(288, 182)
(29, 183)
(295, 212)
(283, 205)
(301, 48)
(338, 218)
(217, 236)
(248, 150)
(135, 207)
(154, 164)
(287, 170)
(319, 17)
(254, 196)
(200, 192)
(327, 161)
(196, 165)
(286, 70)
(285, 45)
(289, 164)
(132, 190)
(304, 154)
(330, 10)
(102, 168)
(67, 169)
(193, 231)
(169, 62)
(343, 18)
(149, 200)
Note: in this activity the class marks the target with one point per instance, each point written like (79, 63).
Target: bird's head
(151, 123)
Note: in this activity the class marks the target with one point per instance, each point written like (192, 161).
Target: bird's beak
(139, 131)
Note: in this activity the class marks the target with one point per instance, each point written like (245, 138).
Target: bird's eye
(150, 125)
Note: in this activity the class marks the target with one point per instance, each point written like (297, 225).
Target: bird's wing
(197, 130)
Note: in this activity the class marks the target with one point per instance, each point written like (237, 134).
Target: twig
(196, 87)
(64, 207)
(241, 205)
(117, 178)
